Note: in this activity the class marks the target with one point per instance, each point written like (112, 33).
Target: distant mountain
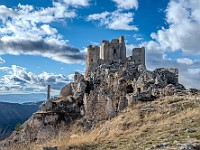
(13, 113)
(21, 98)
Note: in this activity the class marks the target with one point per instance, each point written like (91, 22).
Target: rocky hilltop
(111, 84)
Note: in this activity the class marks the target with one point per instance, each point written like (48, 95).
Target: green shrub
(18, 128)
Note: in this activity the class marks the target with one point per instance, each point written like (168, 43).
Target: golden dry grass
(140, 126)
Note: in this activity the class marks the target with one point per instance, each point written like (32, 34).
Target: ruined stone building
(112, 52)
(113, 81)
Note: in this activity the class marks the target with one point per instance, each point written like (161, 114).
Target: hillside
(171, 122)
(117, 104)
(12, 114)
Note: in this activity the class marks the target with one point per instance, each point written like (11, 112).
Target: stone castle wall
(110, 52)
(138, 55)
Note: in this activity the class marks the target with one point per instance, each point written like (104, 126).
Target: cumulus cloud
(183, 32)
(186, 61)
(37, 15)
(77, 3)
(26, 30)
(181, 35)
(114, 20)
(126, 4)
(2, 60)
(17, 78)
(120, 19)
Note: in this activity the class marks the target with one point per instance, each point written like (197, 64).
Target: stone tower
(122, 49)
(48, 91)
(138, 56)
(93, 54)
(114, 51)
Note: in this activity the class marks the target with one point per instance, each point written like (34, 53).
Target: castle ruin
(113, 81)
(112, 52)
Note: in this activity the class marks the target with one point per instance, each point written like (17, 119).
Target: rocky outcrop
(118, 85)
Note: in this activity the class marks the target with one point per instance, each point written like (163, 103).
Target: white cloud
(194, 71)
(40, 15)
(129, 48)
(4, 69)
(126, 4)
(18, 79)
(114, 20)
(26, 30)
(71, 77)
(186, 61)
(48, 30)
(6, 12)
(77, 3)
(183, 32)
(2, 60)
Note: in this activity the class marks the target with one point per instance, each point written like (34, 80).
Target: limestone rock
(169, 90)
(66, 91)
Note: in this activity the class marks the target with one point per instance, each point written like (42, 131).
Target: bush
(18, 128)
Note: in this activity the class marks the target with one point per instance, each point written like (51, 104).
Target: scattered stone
(163, 145)
(190, 130)
(50, 148)
(187, 147)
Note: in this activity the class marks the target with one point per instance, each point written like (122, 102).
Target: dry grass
(138, 127)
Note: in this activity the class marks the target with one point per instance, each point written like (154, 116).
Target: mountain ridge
(12, 114)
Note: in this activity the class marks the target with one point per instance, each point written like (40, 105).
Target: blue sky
(43, 42)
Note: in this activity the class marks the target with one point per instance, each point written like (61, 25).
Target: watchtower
(93, 54)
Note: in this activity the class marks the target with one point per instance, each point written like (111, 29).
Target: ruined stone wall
(104, 50)
(138, 55)
(114, 51)
(93, 57)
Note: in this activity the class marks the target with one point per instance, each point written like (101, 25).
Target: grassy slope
(171, 120)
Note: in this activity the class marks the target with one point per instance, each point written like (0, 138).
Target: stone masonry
(113, 81)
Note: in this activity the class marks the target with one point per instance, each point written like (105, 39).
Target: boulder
(66, 91)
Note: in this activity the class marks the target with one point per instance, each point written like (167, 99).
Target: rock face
(115, 86)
